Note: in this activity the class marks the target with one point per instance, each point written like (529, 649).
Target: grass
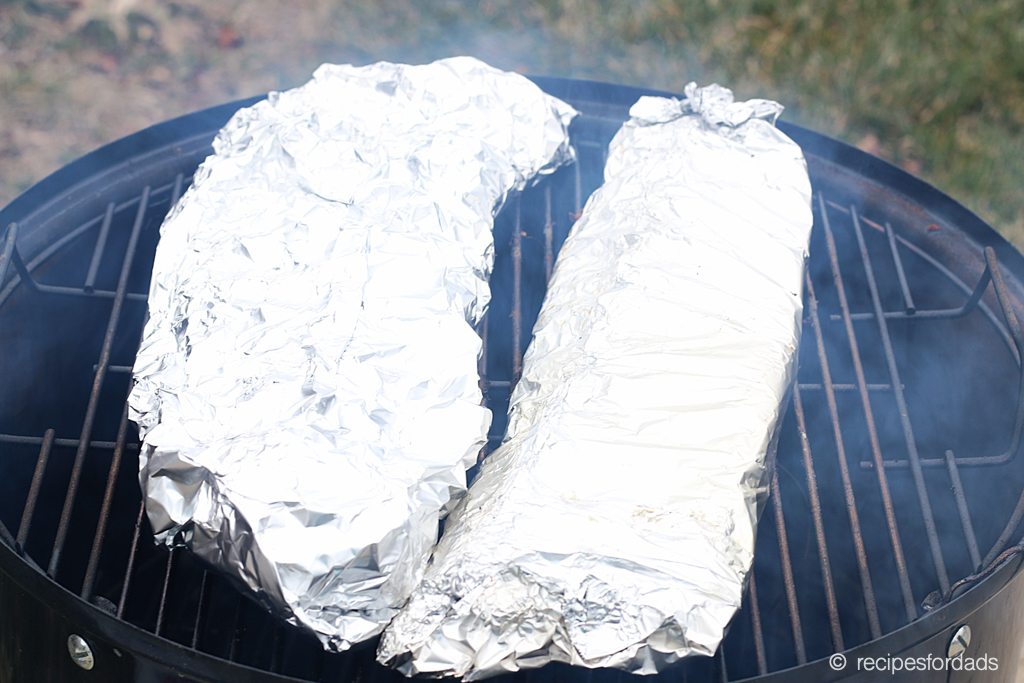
(934, 86)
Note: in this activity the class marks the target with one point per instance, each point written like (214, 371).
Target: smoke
(66, 90)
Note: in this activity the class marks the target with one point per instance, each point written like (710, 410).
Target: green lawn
(937, 87)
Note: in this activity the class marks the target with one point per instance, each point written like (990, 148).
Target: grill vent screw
(80, 651)
(961, 639)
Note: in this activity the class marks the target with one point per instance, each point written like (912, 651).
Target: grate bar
(992, 566)
(60, 443)
(968, 461)
(72, 291)
(19, 264)
(163, 592)
(994, 275)
(787, 571)
(965, 513)
(33, 489)
(819, 525)
(977, 290)
(908, 300)
(1011, 526)
(844, 469)
(97, 386)
(835, 387)
(7, 254)
(937, 314)
(59, 244)
(578, 190)
(121, 438)
(116, 369)
(876, 449)
(905, 289)
(1006, 304)
(6, 538)
(200, 611)
(236, 637)
(901, 404)
(517, 292)
(131, 560)
(482, 361)
(175, 194)
(973, 293)
(549, 237)
(755, 620)
(33, 286)
(108, 498)
(1018, 339)
(101, 246)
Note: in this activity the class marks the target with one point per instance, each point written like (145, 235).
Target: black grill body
(898, 491)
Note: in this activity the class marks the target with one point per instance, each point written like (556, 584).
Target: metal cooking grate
(870, 512)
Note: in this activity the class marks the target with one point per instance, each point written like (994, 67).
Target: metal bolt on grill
(883, 503)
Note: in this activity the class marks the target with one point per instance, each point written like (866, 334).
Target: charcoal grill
(895, 505)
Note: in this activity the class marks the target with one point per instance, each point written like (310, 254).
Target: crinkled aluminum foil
(615, 526)
(307, 387)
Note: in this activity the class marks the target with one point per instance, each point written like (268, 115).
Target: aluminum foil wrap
(615, 526)
(307, 387)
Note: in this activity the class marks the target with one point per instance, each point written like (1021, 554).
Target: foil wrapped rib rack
(307, 388)
(615, 526)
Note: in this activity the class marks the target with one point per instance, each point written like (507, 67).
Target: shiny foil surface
(307, 386)
(615, 526)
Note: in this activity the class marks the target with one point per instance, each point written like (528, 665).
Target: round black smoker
(895, 506)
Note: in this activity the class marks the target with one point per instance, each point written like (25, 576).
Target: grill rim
(117, 633)
(75, 187)
(75, 183)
